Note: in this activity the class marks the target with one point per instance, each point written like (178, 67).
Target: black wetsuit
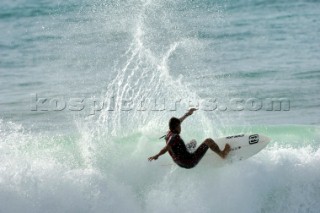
(181, 155)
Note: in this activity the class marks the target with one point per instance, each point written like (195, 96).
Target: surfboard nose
(264, 138)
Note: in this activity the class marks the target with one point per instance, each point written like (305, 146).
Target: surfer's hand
(153, 158)
(191, 111)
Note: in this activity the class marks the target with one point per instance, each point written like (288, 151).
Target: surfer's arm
(162, 151)
(187, 114)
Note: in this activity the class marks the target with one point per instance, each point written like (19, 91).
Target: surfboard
(243, 146)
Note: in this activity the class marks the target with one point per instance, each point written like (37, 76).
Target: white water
(41, 174)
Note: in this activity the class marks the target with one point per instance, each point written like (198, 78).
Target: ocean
(87, 88)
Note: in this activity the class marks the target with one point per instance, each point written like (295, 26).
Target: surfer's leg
(214, 147)
(199, 153)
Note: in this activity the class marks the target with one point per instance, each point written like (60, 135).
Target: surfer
(177, 148)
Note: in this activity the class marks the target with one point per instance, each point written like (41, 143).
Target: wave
(66, 174)
(103, 166)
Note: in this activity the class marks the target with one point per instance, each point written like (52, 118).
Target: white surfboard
(242, 147)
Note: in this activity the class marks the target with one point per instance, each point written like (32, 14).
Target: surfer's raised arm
(187, 114)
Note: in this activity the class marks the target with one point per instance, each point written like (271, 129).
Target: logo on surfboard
(253, 139)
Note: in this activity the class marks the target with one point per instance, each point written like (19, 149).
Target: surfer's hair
(173, 123)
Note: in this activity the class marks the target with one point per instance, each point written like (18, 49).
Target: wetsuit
(180, 154)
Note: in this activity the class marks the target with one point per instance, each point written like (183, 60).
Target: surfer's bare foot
(226, 151)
